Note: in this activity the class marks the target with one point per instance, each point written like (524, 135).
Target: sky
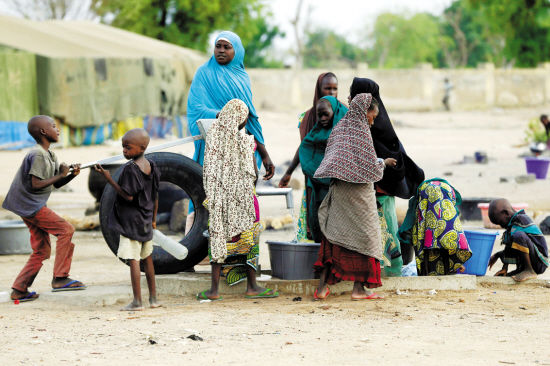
(350, 18)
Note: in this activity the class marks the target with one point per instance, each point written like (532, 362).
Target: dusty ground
(489, 326)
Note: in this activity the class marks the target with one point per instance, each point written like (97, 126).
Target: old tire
(186, 174)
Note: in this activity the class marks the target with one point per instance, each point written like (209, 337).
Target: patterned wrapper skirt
(347, 265)
(437, 235)
(242, 250)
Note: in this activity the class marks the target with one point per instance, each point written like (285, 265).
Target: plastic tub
(14, 237)
(291, 260)
(537, 166)
(481, 244)
(484, 207)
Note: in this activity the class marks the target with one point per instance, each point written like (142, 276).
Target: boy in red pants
(29, 192)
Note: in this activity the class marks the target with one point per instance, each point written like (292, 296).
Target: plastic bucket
(484, 207)
(292, 261)
(481, 244)
(537, 166)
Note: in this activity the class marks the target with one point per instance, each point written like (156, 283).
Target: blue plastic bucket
(481, 244)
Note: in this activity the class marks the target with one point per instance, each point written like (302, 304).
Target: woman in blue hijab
(218, 81)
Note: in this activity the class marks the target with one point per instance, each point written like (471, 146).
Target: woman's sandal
(373, 296)
(202, 296)
(316, 296)
(264, 295)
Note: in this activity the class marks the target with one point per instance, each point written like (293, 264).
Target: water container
(292, 260)
(537, 166)
(481, 244)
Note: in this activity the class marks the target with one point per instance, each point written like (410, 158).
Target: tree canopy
(468, 32)
(325, 48)
(190, 23)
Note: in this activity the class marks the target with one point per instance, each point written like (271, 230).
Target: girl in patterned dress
(229, 174)
(351, 248)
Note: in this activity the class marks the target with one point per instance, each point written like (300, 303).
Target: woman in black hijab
(401, 180)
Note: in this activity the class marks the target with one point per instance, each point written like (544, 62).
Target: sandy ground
(498, 325)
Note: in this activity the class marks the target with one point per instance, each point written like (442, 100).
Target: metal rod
(287, 192)
(152, 149)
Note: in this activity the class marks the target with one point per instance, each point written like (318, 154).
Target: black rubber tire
(186, 174)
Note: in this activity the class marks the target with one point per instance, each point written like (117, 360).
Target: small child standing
(135, 211)
(524, 244)
(30, 190)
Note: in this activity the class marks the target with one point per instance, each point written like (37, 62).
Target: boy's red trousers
(42, 224)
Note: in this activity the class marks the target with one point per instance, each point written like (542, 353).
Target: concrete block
(189, 284)
(92, 296)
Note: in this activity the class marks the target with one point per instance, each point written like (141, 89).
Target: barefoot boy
(135, 211)
(524, 243)
(38, 175)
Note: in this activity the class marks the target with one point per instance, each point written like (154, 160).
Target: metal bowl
(14, 237)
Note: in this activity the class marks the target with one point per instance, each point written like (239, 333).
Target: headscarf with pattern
(350, 154)
(229, 176)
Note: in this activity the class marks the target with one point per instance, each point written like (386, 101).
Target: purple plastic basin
(537, 166)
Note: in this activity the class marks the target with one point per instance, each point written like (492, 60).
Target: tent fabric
(158, 127)
(14, 135)
(90, 74)
(18, 96)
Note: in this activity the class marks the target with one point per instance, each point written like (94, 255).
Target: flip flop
(202, 296)
(28, 297)
(373, 296)
(316, 296)
(67, 287)
(263, 295)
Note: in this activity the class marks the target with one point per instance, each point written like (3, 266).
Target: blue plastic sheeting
(157, 126)
(14, 135)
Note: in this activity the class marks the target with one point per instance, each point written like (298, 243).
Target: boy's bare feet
(524, 276)
(133, 306)
(153, 303)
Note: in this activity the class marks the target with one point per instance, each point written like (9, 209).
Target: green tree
(403, 42)
(523, 25)
(467, 41)
(324, 48)
(190, 23)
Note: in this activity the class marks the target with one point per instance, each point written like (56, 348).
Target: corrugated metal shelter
(91, 75)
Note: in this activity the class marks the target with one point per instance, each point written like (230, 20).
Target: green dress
(312, 152)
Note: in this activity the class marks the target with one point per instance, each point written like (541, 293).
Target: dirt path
(490, 326)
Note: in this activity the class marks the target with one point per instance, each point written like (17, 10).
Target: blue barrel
(481, 244)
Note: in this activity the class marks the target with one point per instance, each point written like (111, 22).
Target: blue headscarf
(213, 86)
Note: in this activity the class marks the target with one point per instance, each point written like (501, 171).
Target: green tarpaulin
(18, 97)
(89, 74)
